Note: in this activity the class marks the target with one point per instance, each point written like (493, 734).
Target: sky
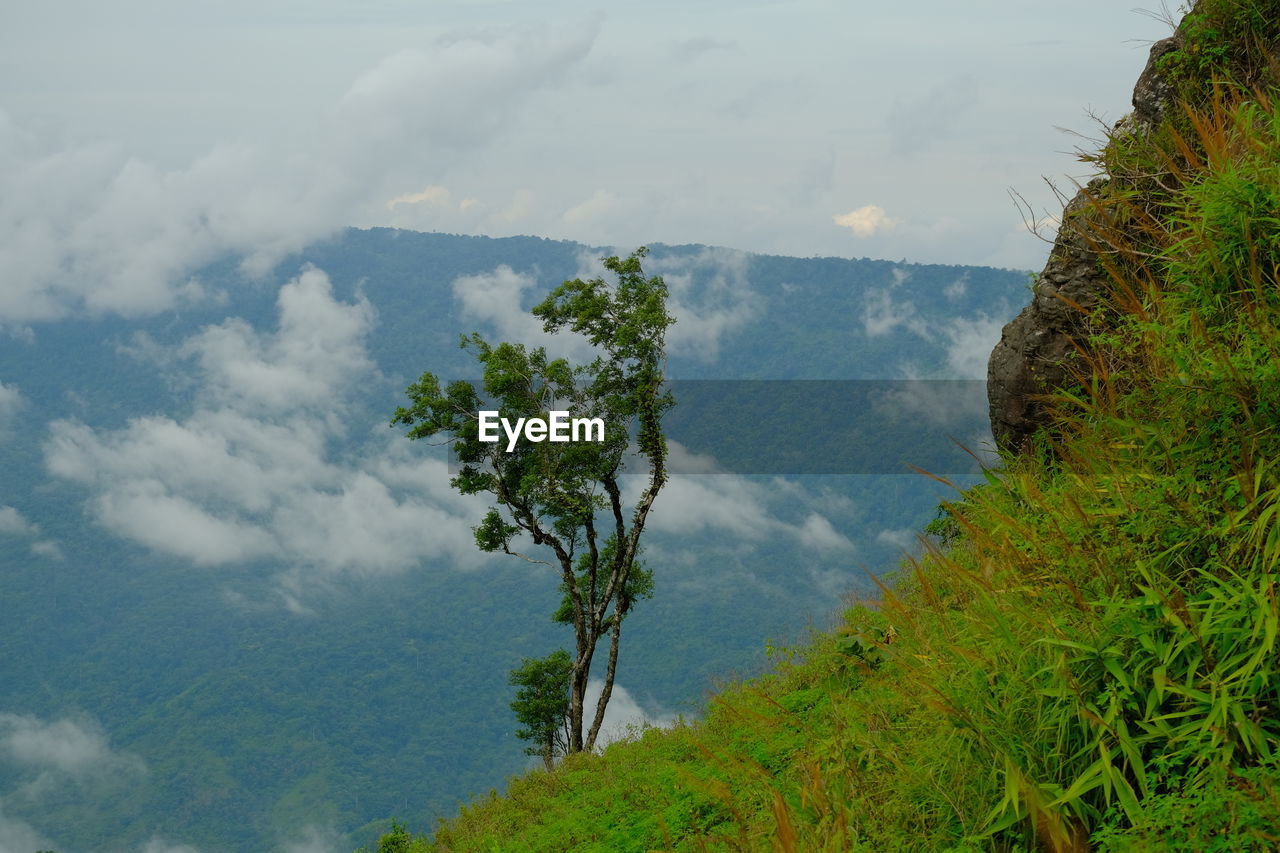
(141, 139)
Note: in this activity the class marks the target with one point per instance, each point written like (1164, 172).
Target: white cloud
(316, 353)
(44, 759)
(231, 458)
(146, 512)
(91, 229)
(710, 297)
(72, 748)
(692, 504)
(968, 340)
(99, 231)
(434, 209)
(363, 527)
(882, 314)
(14, 523)
(696, 504)
(866, 220)
(684, 461)
(47, 548)
(905, 539)
(17, 836)
(818, 533)
(623, 715)
(498, 298)
(969, 344)
(251, 473)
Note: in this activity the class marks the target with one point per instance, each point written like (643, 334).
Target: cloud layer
(264, 468)
(623, 715)
(67, 747)
(14, 523)
(753, 510)
(968, 340)
(93, 228)
(46, 757)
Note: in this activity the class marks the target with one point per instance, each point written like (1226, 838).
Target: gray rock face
(1037, 349)
(1152, 93)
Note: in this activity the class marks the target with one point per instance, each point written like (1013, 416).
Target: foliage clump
(1220, 41)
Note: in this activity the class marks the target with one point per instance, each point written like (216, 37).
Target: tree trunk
(607, 690)
(577, 700)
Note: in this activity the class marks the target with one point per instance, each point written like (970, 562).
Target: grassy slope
(1090, 657)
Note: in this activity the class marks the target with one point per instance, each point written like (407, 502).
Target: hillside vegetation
(1087, 657)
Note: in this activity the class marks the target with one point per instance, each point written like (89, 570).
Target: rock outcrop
(1037, 349)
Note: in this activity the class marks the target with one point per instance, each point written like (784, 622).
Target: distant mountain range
(239, 609)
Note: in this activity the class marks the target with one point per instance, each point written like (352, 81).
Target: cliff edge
(1038, 349)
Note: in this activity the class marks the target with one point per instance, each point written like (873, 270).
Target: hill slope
(1089, 656)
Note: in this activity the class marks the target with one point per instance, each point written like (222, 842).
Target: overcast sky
(139, 138)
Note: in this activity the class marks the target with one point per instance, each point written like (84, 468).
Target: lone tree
(565, 498)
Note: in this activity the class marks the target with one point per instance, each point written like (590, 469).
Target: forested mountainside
(1088, 655)
(249, 616)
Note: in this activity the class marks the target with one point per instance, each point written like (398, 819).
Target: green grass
(1089, 657)
(1223, 40)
